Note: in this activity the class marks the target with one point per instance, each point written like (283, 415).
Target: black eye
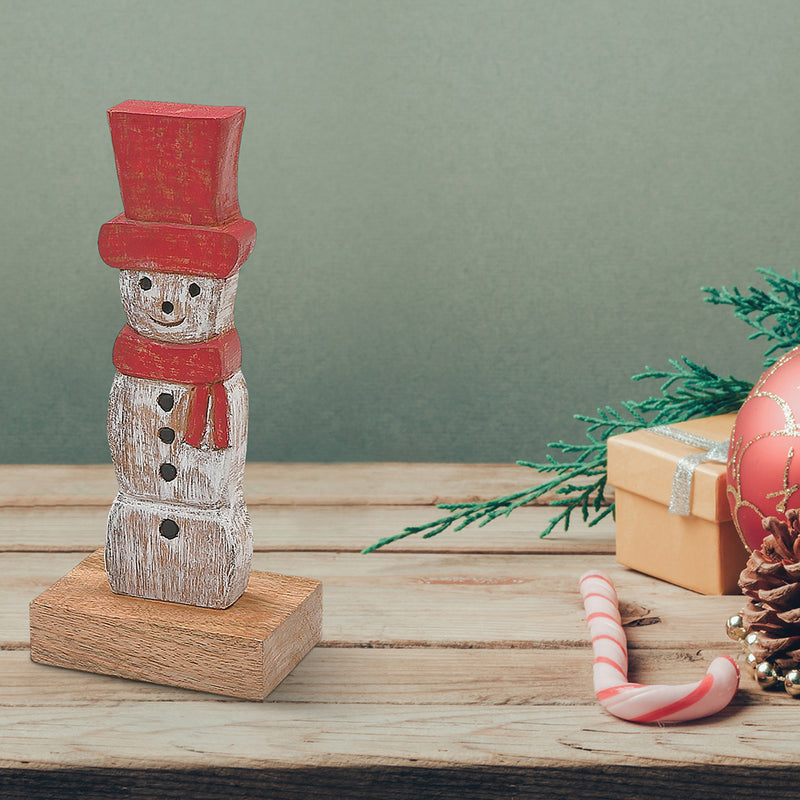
(194, 289)
(146, 283)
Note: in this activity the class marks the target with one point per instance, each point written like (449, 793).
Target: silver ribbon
(680, 496)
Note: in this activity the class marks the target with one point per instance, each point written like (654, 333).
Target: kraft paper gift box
(699, 550)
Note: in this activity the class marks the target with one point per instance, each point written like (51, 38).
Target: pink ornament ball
(764, 455)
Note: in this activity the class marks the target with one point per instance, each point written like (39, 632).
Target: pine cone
(771, 581)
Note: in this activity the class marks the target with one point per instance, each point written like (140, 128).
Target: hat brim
(215, 252)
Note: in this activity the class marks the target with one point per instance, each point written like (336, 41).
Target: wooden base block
(242, 651)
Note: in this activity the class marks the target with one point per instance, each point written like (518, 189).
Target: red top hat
(177, 176)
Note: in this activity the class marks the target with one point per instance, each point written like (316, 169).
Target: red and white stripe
(634, 701)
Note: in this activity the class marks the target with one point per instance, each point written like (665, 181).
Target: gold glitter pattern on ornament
(752, 496)
(788, 414)
(787, 491)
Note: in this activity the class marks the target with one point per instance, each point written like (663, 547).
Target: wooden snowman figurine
(177, 423)
(178, 529)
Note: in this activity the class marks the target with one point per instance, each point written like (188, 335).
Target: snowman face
(177, 308)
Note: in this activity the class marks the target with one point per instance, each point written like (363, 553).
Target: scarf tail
(199, 399)
(219, 411)
(198, 411)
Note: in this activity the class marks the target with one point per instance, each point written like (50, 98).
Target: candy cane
(634, 701)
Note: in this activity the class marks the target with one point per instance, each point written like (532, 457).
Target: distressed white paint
(206, 477)
(208, 562)
(192, 318)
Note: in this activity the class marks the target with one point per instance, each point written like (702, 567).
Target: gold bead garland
(766, 674)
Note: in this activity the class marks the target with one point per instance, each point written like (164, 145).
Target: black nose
(167, 307)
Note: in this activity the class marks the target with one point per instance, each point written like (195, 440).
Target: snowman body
(153, 462)
(178, 529)
(179, 506)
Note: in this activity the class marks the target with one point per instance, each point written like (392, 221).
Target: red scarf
(202, 365)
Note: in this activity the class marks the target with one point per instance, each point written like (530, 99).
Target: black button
(166, 401)
(167, 435)
(168, 472)
(168, 528)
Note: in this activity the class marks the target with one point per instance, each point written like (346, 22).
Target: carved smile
(166, 324)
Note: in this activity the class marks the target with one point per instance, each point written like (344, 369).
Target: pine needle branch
(775, 315)
(688, 390)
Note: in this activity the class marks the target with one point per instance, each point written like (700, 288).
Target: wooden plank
(326, 528)
(123, 735)
(455, 600)
(399, 782)
(286, 484)
(419, 676)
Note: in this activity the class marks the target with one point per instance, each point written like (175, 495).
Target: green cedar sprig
(688, 390)
(775, 314)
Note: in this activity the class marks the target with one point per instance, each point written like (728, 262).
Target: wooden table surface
(454, 666)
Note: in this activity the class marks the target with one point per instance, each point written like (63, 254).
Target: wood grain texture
(203, 556)
(366, 484)
(443, 600)
(131, 735)
(321, 528)
(548, 675)
(178, 530)
(244, 651)
(205, 563)
(447, 669)
(399, 782)
(204, 477)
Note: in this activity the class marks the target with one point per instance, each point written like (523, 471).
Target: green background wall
(475, 218)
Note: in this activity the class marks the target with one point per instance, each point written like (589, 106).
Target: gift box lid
(644, 463)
